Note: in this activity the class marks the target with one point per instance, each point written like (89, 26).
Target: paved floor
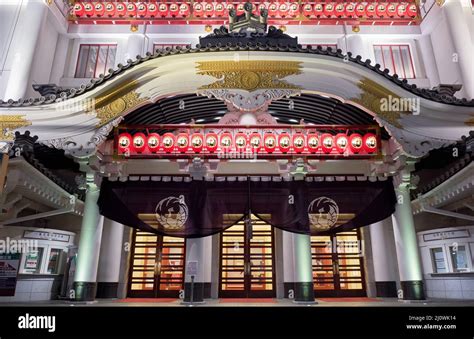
(346, 302)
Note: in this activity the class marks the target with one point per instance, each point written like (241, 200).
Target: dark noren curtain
(201, 208)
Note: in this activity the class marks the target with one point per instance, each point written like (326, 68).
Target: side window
(94, 60)
(396, 58)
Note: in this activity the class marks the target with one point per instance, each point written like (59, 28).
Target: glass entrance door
(247, 261)
(157, 266)
(337, 265)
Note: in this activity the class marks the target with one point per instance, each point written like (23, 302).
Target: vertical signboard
(9, 264)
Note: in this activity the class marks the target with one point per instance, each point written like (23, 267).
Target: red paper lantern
(269, 142)
(340, 10)
(355, 143)
(209, 9)
(329, 10)
(182, 142)
(219, 9)
(228, 8)
(174, 10)
(110, 9)
(370, 143)
(225, 141)
(99, 9)
(312, 142)
(131, 9)
(293, 9)
(163, 10)
(255, 142)
(307, 10)
(88, 9)
(350, 10)
(360, 10)
(153, 142)
(381, 10)
(391, 10)
(402, 10)
(327, 143)
(78, 10)
(197, 142)
(370, 10)
(139, 142)
(152, 10)
(273, 9)
(318, 10)
(211, 142)
(412, 11)
(240, 8)
(124, 143)
(168, 142)
(240, 141)
(198, 9)
(283, 10)
(184, 10)
(121, 10)
(284, 142)
(141, 10)
(261, 7)
(298, 142)
(341, 142)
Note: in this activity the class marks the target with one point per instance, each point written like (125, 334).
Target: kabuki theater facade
(211, 150)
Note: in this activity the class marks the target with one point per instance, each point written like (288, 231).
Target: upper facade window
(397, 58)
(94, 60)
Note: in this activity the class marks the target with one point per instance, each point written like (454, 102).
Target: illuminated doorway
(247, 261)
(156, 266)
(338, 265)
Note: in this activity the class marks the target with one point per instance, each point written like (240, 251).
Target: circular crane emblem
(323, 213)
(172, 212)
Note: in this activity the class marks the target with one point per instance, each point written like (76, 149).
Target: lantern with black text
(261, 7)
(121, 10)
(355, 143)
(293, 9)
(110, 9)
(307, 10)
(240, 141)
(341, 142)
(284, 142)
(184, 10)
(88, 9)
(318, 10)
(283, 10)
(211, 142)
(174, 10)
(391, 10)
(152, 10)
(168, 142)
(312, 142)
(99, 9)
(298, 142)
(401, 10)
(381, 10)
(327, 143)
(225, 141)
(412, 11)
(370, 10)
(131, 9)
(329, 10)
(240, 8)
(255, 142)
(163, 10)
(78, 10)
(197, 142)
(141, 10)
(198, 9)
(360, 10)
(339, 10)
(139, 142)
(182, 142)
(153, 142)
(124, 143)
(350, 10)
(219, 9)
(269, 142)
(273, 9)
(209, 9)
(370, 143)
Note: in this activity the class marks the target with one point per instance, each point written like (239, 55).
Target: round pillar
(85, 278)
(109, 260)
(383, 258)
(197, 281)
(304, 288)
(288, 265)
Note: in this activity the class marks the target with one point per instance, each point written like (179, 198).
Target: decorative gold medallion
(8, 123)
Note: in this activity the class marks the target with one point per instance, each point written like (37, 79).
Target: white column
(461, 31)
(26, 34)
(429, 60)
(198, 265)
(383, 254)
(109, 260)
(409, 264)
(60, 57)
(304, 288)
(288, 265)
(355, 45)
(85, 279)
(134, 46)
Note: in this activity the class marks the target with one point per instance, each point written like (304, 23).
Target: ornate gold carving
(117, 107)
(470, 122)
(372, 97)
(8, 123)
(249, 75)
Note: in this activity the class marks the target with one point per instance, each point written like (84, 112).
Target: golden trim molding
(249, 75)
(116, 107)
(8, 123)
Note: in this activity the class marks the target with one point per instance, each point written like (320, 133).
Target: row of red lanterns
(240, 141)
(275, 9)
